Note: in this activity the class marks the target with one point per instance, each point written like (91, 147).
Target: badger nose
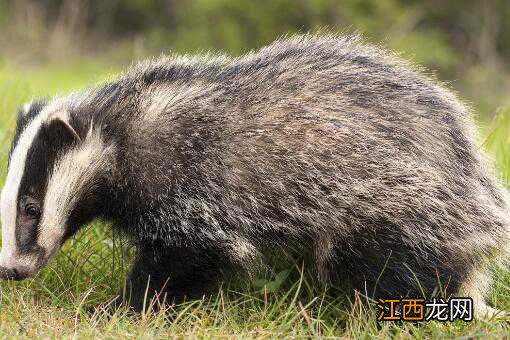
(9, 274)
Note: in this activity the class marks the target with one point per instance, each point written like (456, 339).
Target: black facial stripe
(33, 184)
(24, 118)
(27, 230)
(50, 142)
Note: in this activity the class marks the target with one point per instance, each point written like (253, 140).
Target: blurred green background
(467, 43)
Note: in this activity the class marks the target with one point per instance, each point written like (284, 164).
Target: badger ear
(58, 131)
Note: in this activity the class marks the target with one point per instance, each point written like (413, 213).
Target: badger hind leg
(476, 287)
(477, 283)
(324, 255)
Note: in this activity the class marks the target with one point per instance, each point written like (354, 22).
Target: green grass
(62, 299)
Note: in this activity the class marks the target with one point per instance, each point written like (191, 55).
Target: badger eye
(32, 211)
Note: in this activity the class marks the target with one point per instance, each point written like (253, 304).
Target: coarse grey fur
(320, 144)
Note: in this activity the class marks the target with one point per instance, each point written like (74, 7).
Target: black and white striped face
(50, 171)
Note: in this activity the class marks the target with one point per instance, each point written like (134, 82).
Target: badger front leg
(161, 276)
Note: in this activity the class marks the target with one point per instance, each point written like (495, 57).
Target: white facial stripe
(73, 172)
(9, 196)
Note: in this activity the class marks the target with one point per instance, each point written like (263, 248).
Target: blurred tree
(461, 39)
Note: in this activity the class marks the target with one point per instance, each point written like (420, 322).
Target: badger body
(322, 144)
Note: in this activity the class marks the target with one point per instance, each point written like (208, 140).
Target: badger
(357, 160)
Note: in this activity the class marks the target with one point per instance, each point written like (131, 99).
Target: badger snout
(19, 266)
(12, 273)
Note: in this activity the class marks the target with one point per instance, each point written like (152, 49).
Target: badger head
(53, 186)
